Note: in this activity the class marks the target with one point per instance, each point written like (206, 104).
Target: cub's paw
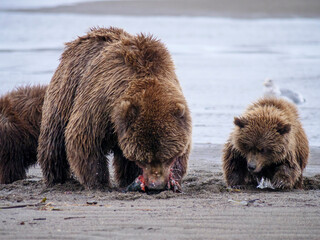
(281, 181)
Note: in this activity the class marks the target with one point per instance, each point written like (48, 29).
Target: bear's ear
(180, 110)
(128, 111)
(240, 122)
(283, 128)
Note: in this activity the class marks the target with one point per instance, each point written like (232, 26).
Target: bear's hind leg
(15, 141)
(12, 167)
(85, 134)
(51, 152)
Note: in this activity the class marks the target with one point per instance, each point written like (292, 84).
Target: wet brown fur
(114, 93)
(269, 135)
(20, 118)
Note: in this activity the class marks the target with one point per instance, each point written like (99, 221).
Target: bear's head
(262, 137)
(153, 130)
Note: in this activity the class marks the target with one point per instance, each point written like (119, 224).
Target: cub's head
(153, 129)
(262, 138)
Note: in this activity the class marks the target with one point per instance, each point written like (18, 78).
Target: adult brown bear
(268, 142)
(20, 118)
(115, 93)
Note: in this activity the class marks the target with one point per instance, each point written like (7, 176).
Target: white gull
(272, 90)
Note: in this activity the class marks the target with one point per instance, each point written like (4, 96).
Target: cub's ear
(240, 122)
(128, 111)
(283, 128)
(180, 110)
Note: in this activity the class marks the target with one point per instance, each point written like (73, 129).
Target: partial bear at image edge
(267, 143)
(20, 118)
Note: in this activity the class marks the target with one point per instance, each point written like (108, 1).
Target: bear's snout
(156, 178)
(252, 166)
(156, 181)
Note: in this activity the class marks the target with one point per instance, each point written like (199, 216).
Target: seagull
(272, 90)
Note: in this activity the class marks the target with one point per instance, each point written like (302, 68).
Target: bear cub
(268, 142)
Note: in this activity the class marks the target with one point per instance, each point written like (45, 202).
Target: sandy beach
(206, 209)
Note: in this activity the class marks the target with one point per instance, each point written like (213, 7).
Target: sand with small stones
(205, 210)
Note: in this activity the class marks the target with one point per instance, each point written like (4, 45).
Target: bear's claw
(173, 185)
(280, 184)
(238, 187)
(281, 180)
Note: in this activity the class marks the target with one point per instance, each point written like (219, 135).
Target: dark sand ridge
(212, 8)
(205, 210)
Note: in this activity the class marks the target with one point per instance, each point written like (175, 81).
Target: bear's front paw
(281, 181)
(174, 185)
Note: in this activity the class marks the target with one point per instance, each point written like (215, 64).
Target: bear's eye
(245, 147)
(261, 150)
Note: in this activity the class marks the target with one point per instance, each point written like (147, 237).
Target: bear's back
(27, 103)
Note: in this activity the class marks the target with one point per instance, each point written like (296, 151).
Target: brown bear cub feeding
(267, 142)
(115, 93)
(20, 118)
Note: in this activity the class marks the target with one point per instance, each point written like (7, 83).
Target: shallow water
(27, 4)
(221, 63)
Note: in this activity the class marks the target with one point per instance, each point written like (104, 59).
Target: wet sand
(205, 210)
(212, 8)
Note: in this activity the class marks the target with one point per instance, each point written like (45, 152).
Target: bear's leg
(299, 183)
(235, 168)
(85, 134)
(179, 167)
(11, 166)
(178, 170)
(51, 150)
(302, 156)
(16, 143)
(287, 176)
(125, 171)
(12, 155)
